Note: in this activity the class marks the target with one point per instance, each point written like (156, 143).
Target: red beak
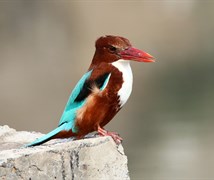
(136, 55)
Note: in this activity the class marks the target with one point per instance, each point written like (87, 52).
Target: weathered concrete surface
(92, 158)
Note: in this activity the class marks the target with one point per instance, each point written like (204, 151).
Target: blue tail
(48, 136)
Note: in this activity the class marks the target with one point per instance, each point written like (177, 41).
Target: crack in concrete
(74, 161)
(72, 167)
(63, 166)
(33, 165)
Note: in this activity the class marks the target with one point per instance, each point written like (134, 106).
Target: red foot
(114, 135)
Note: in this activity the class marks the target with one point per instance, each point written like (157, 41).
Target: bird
(101, 92)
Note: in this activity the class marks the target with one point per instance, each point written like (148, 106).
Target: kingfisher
(101, 92)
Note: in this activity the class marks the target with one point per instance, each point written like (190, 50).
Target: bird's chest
(126, 88)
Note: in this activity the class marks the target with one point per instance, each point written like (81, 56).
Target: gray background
(167, 124)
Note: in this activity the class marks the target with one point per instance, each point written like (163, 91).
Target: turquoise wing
(79, 95)
(72, 106)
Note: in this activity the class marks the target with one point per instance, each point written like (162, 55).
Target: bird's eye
(112, 48)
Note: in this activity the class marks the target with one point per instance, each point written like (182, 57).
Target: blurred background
(167, 124)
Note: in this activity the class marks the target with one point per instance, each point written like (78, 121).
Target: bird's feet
(114, 135)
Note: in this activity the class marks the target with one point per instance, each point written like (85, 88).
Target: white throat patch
(126, 89)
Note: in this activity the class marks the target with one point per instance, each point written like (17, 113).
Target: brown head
(112, 48)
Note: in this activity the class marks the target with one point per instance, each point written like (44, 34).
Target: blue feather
(71, 107)
(105, 82)
(48, 136)
(70, 104)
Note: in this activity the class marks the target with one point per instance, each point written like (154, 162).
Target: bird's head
(112, 48)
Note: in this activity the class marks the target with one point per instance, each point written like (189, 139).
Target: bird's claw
(115, 136)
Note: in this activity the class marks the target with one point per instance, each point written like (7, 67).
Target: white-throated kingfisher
(101, 92)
